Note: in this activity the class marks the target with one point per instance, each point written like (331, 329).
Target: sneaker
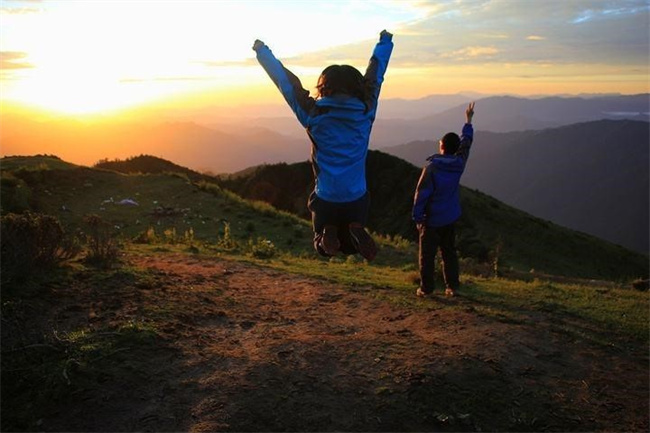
(421, 293)
(450, 292)
(330, 240)
(363, 242)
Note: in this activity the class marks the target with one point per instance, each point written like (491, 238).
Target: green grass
(79, 359)
(198, 216)
(35, 163)
(612, 309)
(598, 310)
(166, 203)
(48, 365)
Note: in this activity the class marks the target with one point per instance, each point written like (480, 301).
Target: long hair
(342, 79)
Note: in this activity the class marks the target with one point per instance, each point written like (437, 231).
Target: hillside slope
(525, 241)
(169, 202)
(592, 177)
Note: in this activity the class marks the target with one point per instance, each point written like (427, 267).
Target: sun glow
(97, 56)
(103, 56)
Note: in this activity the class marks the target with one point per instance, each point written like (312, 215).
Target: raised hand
(469, 112)
(258, 44)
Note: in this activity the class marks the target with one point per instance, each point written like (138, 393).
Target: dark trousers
(432, 238)
(340, 215)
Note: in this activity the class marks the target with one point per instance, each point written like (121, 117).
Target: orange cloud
(473, 52)
(11, 60)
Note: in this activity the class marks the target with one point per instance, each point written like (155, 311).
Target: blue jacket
(437, 202)
(338, 126)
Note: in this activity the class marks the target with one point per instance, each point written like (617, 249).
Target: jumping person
(436, 208)
(338, 122)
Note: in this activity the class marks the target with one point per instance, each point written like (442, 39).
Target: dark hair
(450, 143)
(341, 79)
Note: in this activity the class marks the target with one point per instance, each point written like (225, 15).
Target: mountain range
(592, 177)
(216, 141)
(512, 133)
(400, 121)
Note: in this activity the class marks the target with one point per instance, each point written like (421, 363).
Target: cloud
(11, 60)
(474, 52)
(19, 11)
(165, 79)
(591, 32)
(228, 63)
(15, 7)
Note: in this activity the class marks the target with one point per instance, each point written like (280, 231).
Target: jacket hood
(341, 101)
(451, 163)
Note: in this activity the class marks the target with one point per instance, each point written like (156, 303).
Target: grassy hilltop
(151, 197)
(216, 315)
(488, 227)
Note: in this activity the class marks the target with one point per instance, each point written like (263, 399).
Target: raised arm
(289, 85)
(377, 67)
(467, 136)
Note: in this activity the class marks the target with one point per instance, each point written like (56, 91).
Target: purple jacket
(437, 202)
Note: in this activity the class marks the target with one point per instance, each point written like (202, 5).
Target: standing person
(338, 122)
(436, 207)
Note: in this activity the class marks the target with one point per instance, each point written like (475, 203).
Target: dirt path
(251, 349)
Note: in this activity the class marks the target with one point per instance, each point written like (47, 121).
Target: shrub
(226, 241)
(33, 241)
(262, 249)
(170, 236)
(188, 237)
(147, 237)
(100, 240)
(15, 194)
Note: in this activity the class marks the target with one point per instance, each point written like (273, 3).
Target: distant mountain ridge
(190, 144)
(508, 113)
(592, 177)
(218, 141)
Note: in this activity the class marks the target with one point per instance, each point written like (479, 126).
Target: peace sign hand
(469, 112)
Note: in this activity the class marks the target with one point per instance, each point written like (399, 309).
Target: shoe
(363, 241)
(330, 241)
(421, 293)
(450, 292)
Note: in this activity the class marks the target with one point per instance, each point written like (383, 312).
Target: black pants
(432, 238)
(340, 215)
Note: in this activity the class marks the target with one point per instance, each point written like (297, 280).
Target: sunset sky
(92, 56)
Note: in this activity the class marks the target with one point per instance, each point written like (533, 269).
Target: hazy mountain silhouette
(400, 121)
(188, 143)
(507, 113)
(591, 177)
(213, 141)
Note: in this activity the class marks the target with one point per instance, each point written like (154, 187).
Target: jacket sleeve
(376, 69)
(423, 193)
(289, 85)
(466, 139)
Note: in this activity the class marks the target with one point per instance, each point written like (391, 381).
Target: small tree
(100, 240)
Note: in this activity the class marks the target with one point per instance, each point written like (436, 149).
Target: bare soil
(246, 348)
